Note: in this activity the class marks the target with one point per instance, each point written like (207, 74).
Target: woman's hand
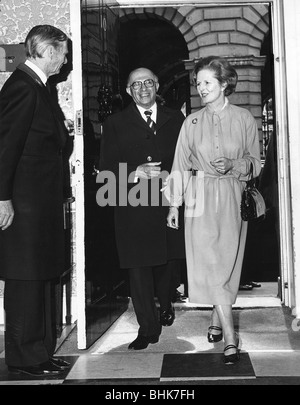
(223, 165)
(173, 218)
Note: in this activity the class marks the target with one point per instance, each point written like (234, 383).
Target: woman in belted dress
(214, 153)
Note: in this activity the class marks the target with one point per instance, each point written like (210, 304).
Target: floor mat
(204, 366)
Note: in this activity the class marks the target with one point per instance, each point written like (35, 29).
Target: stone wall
(227, 30)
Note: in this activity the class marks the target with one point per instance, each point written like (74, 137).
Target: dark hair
(224, 72)
(41, 36)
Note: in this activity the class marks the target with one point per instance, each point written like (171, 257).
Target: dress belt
(213, 176)
(218, 178)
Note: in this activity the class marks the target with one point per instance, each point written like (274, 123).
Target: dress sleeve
(241, 169)
(176, 182)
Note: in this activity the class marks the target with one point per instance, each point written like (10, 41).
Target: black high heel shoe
(214, 338)
(232, 358)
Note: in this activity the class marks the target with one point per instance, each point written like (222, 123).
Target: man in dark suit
(141, 140)
(32, 139)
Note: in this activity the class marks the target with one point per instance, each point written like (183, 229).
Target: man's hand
(6, 214)
(173, 218)
(148, 170)
(69, 125)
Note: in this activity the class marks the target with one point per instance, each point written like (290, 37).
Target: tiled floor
(270, 350)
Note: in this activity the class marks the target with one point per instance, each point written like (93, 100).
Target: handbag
(253, 204)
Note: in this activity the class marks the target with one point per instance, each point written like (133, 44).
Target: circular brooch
(195, 121)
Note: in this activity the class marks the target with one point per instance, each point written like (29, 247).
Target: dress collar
(210, 109)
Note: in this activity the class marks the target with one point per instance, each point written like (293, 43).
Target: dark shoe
(178, 297)
(214, 338)
(47, 369)
(142, 342)
(246, 287)
(255, 285)
(64, 365)
(167, 317)
(232, 358)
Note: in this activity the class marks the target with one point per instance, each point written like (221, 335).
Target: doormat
(205, 366)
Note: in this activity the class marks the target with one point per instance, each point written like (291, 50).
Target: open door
(101, 288)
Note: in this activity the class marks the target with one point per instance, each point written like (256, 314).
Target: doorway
(156, 39)
(262, 253)
(140, 45)
(180, 27)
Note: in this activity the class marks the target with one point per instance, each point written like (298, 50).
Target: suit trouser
(30, 330)
(145, 284)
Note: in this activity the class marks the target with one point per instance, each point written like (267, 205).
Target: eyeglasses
(147, 83)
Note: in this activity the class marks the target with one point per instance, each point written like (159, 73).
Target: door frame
(78, 174)
(291, 15)
(287, 284)
(286, 281)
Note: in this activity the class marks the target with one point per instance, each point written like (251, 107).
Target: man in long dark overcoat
(32, 138)
(138, 146)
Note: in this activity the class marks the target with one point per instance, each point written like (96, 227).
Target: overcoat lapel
(136, 118)
(162, 117)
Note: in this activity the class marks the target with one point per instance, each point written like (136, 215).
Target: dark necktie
(48, 87)
(150, 121)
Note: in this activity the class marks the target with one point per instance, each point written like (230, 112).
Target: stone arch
(260, 21)
(234, 31)
(223, 30)
(166, 60)
(168, 14)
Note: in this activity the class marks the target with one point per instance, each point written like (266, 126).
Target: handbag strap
(251, 171)
(250, 182)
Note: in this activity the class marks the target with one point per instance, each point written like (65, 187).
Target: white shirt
(153, 109)
(37, 70)
(153, 117)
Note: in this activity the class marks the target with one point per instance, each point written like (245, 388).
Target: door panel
(105, 282)
(101, 289)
